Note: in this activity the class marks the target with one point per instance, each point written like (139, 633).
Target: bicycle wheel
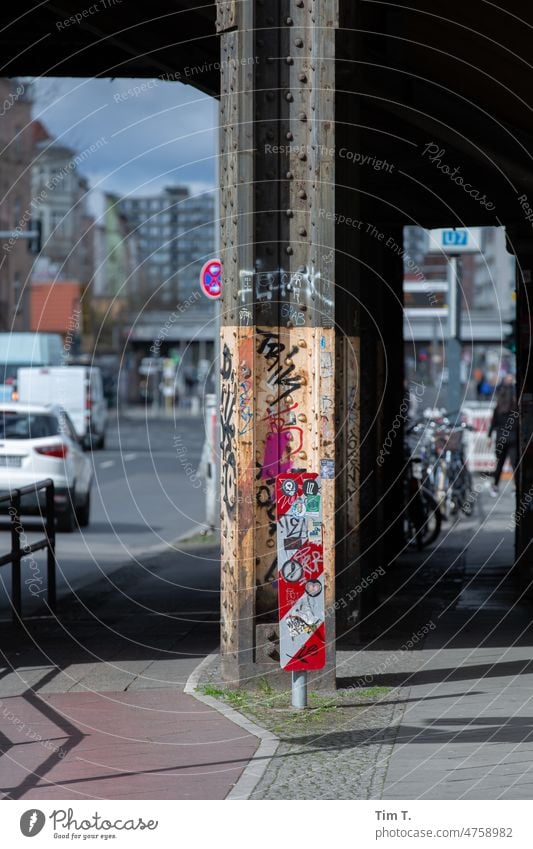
(441, 489)
(431, 527)
(469, 497)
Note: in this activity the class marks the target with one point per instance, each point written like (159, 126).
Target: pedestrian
(505, 425)
(478, 379)
(484, 388)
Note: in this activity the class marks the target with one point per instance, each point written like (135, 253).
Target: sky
(150, 133)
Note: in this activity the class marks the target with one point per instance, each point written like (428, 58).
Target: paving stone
(461, 700)
(122, 745)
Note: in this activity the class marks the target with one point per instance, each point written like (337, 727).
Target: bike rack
(19, 552)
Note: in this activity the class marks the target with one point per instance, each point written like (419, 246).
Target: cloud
(157, 133)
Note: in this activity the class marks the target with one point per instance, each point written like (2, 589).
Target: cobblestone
(340, 747)
(408, 715)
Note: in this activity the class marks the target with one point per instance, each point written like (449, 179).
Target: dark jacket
(505, 416)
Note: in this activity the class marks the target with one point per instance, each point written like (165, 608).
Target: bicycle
(422, 515)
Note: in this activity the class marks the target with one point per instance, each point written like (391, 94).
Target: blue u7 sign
(455, 237)
(459, 240)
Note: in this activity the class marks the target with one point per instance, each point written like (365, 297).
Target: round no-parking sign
(211, 278)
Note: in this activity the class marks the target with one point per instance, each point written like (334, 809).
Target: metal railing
(19, 552)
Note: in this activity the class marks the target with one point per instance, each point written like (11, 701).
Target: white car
(37, 442)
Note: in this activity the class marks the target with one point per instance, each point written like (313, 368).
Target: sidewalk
(434, 698)
(467, 732)
(93, 706)
(149, 412)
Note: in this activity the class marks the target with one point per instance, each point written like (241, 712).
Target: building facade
(494, 275)
(16, 210)
(175, 235)
(118, 271)
(60, 194)
(487, 284)
(196, 242)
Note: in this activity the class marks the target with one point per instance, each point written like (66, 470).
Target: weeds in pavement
(367, 692)
(206, 537)
(273, 708)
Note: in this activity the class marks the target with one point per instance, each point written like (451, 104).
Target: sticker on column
(300, 572)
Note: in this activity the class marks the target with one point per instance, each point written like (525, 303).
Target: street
(144, 496)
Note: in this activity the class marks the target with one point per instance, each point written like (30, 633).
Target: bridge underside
(341, 122)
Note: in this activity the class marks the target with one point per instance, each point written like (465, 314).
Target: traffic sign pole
(302, 639)
(453, 242)
(454, 339)
(299, 690)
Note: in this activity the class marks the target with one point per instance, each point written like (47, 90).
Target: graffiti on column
(290, 313)
(265, 499)
(327, 412)
(283, 436)
(279, 374)
(266, 502)
(283, 440)
(245, 400)
(352, 459)
(227, 445)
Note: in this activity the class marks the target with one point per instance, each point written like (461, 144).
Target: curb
(140, 414)
(268, 744)
(196, 530)
(162, 547)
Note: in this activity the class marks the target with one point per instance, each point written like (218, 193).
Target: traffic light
(509, 341)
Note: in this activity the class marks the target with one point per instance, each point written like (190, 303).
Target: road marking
(157, 455)
(128, 457)
(107, 464)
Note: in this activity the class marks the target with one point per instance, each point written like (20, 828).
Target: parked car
(37, 442)
(78, 389)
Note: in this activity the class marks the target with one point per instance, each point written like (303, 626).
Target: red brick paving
(153, 744)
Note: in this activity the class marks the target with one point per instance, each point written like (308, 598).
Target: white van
(26, 349)
(78, 389)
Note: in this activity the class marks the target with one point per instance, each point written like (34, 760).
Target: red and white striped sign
(479, 451)
(302, 637)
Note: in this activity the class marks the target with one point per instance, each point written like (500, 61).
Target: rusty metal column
(348, 276)
(235, 21)
(277, 246)
(520, 242)
(389, 398)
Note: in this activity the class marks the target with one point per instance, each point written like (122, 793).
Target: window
(14, 425)
(17, 291)
(68, 426)
(58, 221)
